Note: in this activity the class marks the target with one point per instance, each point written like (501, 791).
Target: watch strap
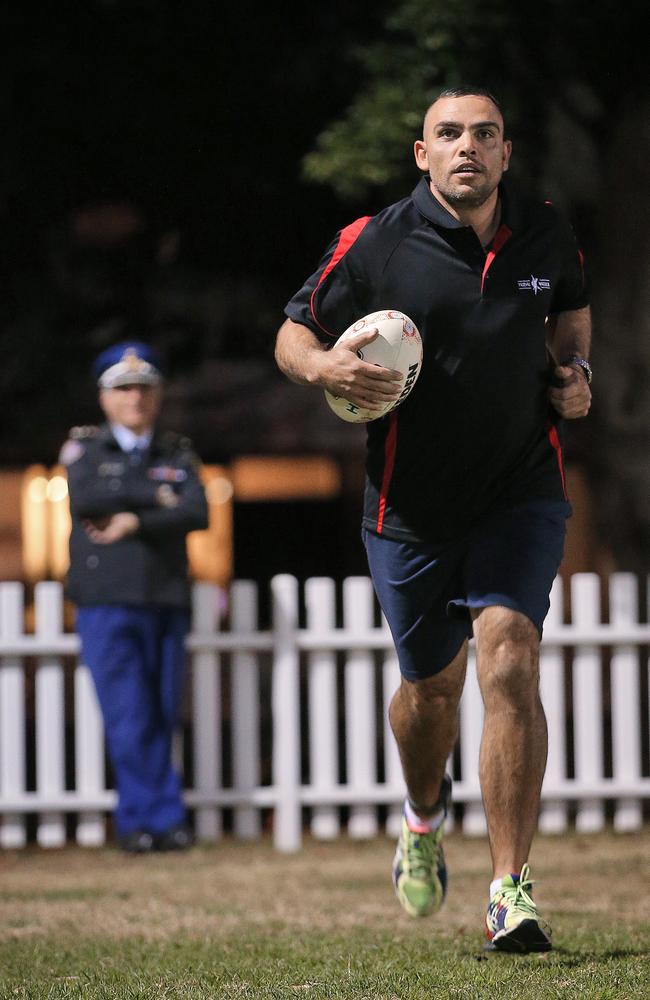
(582, 363)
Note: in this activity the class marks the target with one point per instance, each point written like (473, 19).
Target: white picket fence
(295, 715)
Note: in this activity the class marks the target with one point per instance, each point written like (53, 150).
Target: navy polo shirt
(477, 431)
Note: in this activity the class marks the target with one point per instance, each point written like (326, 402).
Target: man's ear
(507, 150)
(421, 155)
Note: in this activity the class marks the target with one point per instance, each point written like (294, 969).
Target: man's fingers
(383, 389)
(353, 344)
(360, 381)
(575, 390)
(572, 401)
(375, 374)
(360, 339)
(564, 395)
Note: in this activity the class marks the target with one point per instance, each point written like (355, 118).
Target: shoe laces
(518, 895)
(421, 853)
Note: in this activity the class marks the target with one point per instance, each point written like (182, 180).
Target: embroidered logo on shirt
(534, 285)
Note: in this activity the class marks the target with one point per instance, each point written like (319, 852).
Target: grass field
(242, 921)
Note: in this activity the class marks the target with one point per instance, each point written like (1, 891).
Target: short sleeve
(572, 289)
(336, 293)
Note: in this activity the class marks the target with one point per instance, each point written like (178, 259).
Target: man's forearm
(298, 353)
(569, 335)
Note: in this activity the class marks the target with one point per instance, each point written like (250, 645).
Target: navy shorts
(509, 558)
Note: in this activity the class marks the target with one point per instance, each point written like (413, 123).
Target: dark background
(151, 185)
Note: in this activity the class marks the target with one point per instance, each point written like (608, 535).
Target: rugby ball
(398, 346)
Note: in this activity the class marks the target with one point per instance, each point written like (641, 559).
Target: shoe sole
(525, 937)
(435, 905)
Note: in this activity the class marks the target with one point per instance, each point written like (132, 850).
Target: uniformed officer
(135, 493)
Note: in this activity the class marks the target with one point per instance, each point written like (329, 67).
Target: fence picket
(285, 697)
(320, 601)
(626, 715)
(12, 716)
(471, 727)
(587, 701)
(364, 645)
(206, 711)
(50, 715)
(392, 765)
(245, 709)
(553, 814)
(89, 757)
(360, 725)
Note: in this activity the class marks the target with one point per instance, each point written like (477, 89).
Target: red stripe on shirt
(502, 236)
(390, 447)
(348, 237)
(555, 443)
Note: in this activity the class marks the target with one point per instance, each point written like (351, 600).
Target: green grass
(242, 921)
(323, 966)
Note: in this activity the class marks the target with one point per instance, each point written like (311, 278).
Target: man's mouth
(467, 168)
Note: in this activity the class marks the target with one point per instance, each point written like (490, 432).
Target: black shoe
(176, 838)
(137, 842)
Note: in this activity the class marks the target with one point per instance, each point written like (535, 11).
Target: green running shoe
(419, 870)
(512, 922)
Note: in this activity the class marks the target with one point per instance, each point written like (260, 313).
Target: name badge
(111, 469)
(167, 474)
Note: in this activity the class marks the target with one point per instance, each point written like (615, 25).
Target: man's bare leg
(424, 719)
(514, 743)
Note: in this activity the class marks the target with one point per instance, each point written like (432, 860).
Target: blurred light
(210, 552)
(34, 523)
(57, 489)
(59, 523)
(311, 477)
(37, 490)
(219, 490)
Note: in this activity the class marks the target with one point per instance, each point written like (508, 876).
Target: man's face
(464, 150)
(133, 406)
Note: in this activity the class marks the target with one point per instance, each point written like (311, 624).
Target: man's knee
(441, 690)
(507, 656)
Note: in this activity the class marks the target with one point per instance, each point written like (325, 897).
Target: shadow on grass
(567, 957)
(595, 956)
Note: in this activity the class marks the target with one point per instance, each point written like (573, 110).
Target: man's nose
(467, 144)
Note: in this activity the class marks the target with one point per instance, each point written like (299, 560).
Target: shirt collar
(433, 210)
(127, 440)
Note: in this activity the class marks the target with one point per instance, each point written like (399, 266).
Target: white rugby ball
(398, 346)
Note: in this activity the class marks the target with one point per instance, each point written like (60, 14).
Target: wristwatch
(586, 367)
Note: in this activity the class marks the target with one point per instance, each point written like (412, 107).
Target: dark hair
(470, 92)
(464, 92)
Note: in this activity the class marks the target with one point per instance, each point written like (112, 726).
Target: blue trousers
(136, 656)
